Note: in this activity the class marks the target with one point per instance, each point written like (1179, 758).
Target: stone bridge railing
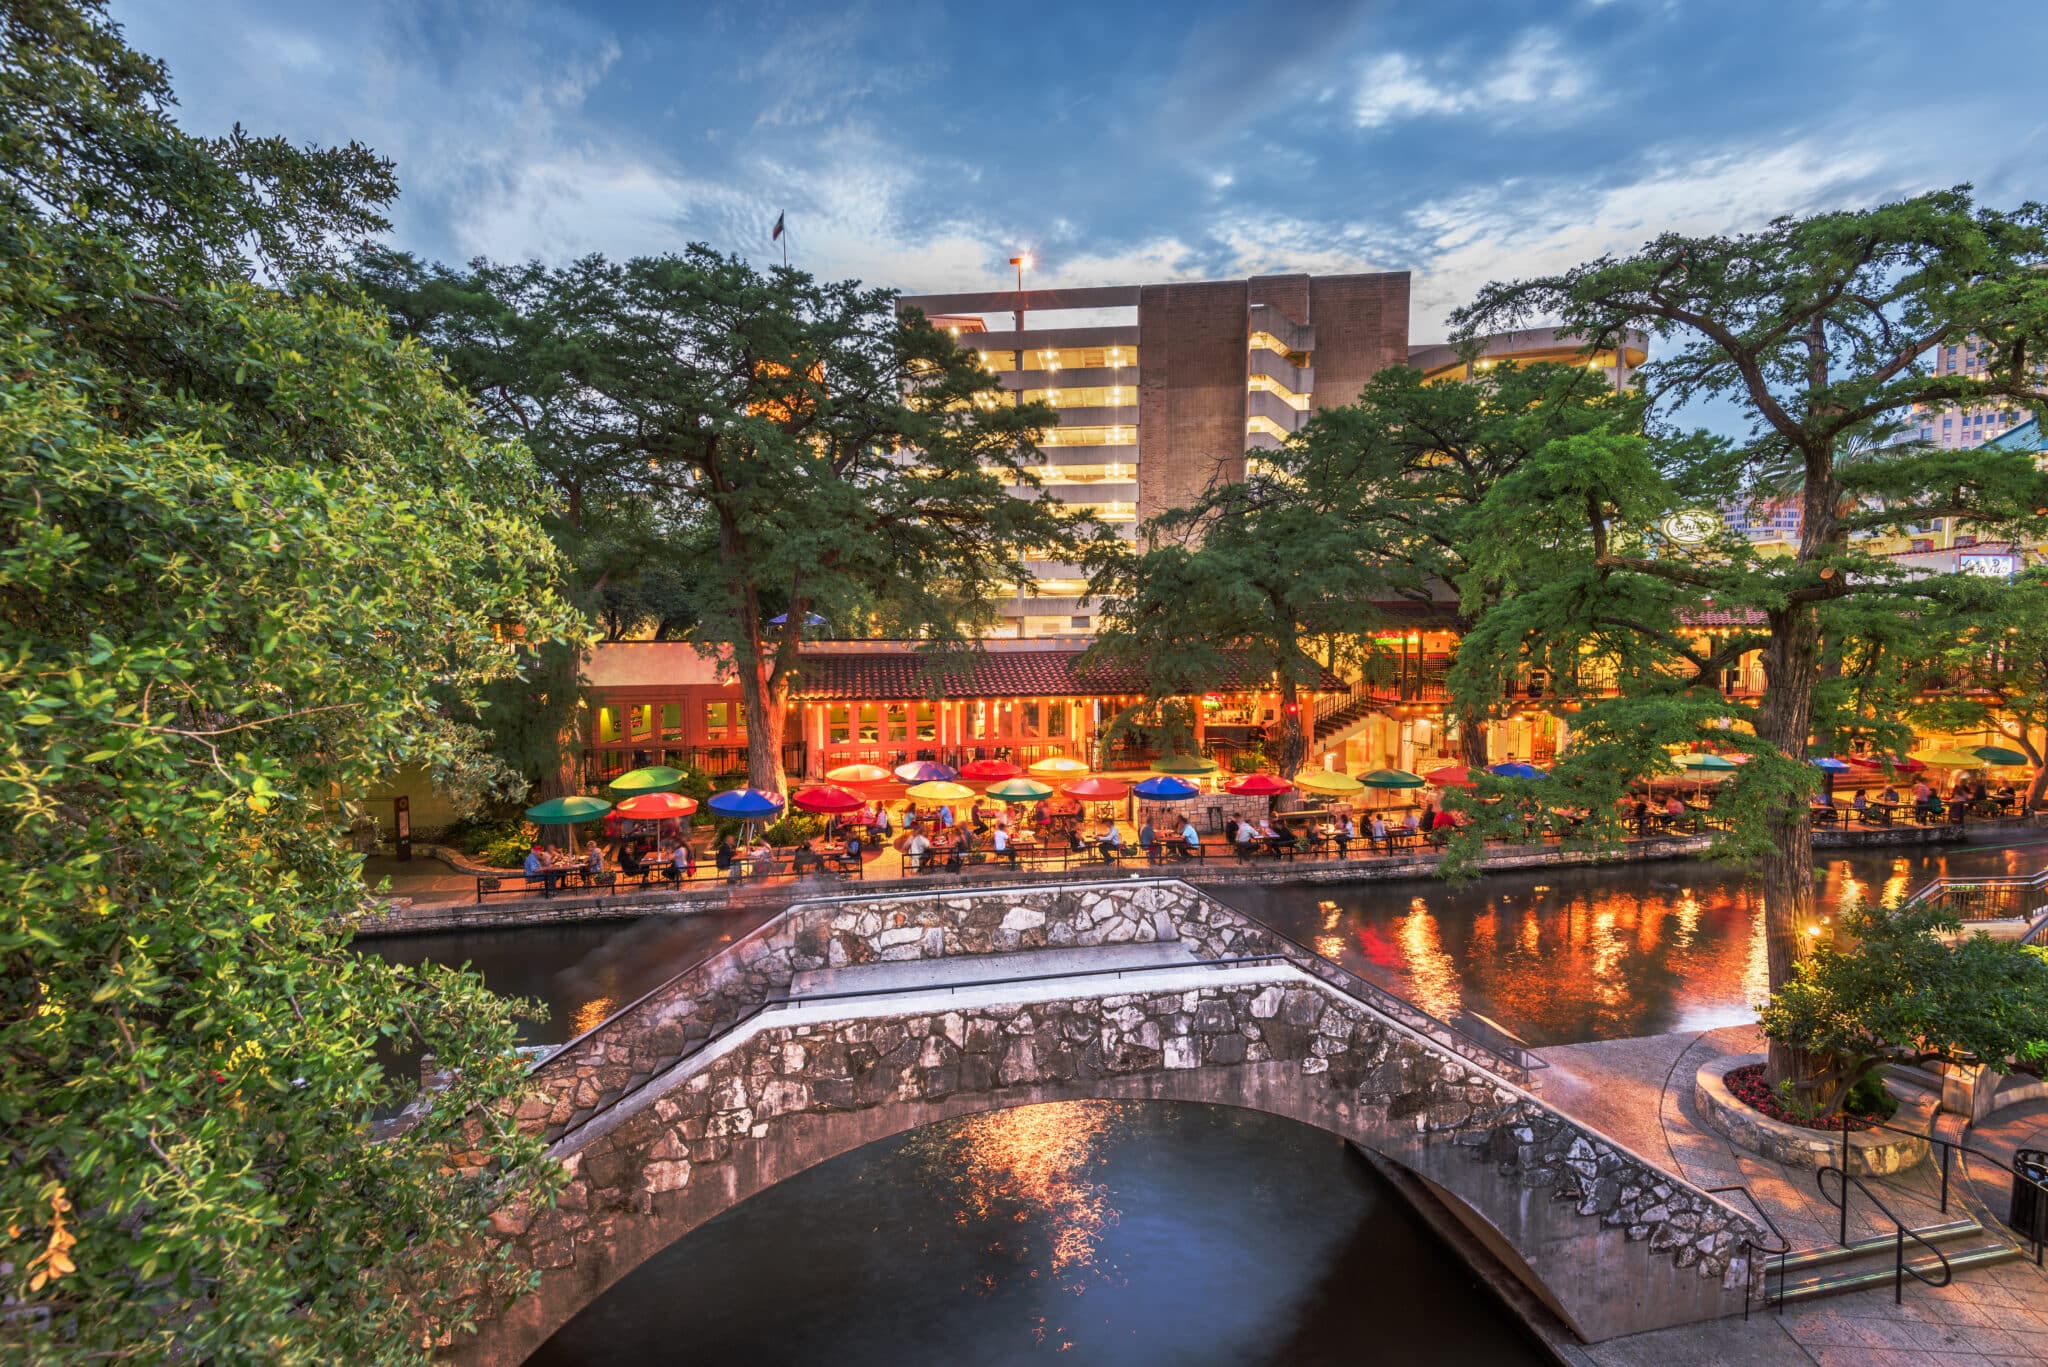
(1614, 1244)
(647, 1036)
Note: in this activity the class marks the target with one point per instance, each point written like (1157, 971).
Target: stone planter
(1872, 1153)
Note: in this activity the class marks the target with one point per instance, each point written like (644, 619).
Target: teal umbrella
(567, 811)
(1998, 754)
(655, 778)
(1392, 778)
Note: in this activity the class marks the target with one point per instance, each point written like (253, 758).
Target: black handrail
(1950, 1147)
(1900, 1233)
(1784, 1248)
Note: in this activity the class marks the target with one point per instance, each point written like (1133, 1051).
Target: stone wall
(1619, 1246)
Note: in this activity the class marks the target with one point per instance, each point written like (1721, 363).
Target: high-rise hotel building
(1163, 388)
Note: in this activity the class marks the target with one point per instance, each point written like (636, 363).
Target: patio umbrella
(1020, 790)
(1998, 754)
(811, 619)
(1514, 768)
(1904, 766)
(1450, 776)
(989, 770)
(1696, 760)
(1096, 789)
(1392, 778)
(656, 806)
(1166, 788)
(1328, 781)
(825, 797)
(746, 804)
(1257, 785)
(1828, 764)
(860, 773)
(926, 771)
(1183, 764)
(567, 811)
(1059, 766)
(940, 790)
(655, 778)
(1950, 759)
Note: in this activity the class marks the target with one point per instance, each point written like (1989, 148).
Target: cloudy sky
(921, 143)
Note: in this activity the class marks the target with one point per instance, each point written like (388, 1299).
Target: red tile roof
(858, 675)
(1722, 617)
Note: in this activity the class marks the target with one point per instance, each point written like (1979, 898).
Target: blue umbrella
(1166, 788)
(926, 771)
(811, 619)
(1514, 768)
(746, 804)
(1829, 764)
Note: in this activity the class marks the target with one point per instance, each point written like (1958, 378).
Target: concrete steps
(1868, 1264)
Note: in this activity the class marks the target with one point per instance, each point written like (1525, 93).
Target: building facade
(1169, 394)
(1961, 428)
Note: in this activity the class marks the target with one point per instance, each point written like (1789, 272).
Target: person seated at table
(1411, 823)
(880, 826)
(915, 850)
(1890, 796)
(1933, 809)
(1346, 832)
(1430, 816)
(1280, 839)
(1376, 834)
(1190, 839)
(2006, 792)
(999, 843)
(760, 857)
(1674, 810)
(806, 859)
(540, 865)
(683, 862)
(593, 863)
(1861, 802)
(1246, 835)
(1112, 843)
(853, 847)
(629, 859)
(724, 853)
(1148, 840)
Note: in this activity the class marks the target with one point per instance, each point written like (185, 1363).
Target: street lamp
(1020, 262)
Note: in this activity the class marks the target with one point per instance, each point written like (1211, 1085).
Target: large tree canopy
(768, 445)
(250, 540)
(1819, 328)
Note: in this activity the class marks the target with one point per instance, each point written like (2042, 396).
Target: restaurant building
(883, 702)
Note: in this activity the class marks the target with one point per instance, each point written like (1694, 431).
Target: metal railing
(1986, 899)
(1901, 1232)
(1783, 1249)
(2037, 1234)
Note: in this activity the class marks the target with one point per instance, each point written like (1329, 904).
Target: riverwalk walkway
(1640, 1091)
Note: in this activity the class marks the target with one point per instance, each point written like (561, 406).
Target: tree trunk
(1293, 748)
(764, 697)
(1472, 740)
(1785, 719)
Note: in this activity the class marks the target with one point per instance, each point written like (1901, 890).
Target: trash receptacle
(2029, 1214)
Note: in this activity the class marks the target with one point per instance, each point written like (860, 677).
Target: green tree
(1907, 988)
(247, 533)
(1418, 461)
(1819, 328)
(1993, 674)
(794, 448)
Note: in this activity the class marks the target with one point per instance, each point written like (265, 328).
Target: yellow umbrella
(939, 790)
(1951, 759)
(1060, 766)
(1326, 781)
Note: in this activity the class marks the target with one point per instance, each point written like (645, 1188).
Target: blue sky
(919, 145)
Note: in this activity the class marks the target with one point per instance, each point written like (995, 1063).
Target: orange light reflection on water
(591, 1014)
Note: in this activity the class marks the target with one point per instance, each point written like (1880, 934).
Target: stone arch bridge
(847, 1021)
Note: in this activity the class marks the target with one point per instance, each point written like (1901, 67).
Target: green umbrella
(1183, 764)
(1696, 760)
(566, 811)
(1020, 790)
(655, 778)
(1392, 778)
(1998, 754)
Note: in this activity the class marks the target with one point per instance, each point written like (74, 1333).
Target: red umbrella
(1453, 776)
(1257, 785)
(826, 798)
(656, 806)
(1904, 766)
(989, 770)
(1096, 789)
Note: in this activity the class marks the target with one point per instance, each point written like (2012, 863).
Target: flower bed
(1743, 1123)
(1748, 1086)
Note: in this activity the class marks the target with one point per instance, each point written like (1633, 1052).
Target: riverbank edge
(1538, 1320)
(401, 916)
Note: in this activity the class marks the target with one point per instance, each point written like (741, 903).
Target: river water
(1137, 1233)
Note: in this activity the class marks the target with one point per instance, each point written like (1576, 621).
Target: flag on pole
(776, 236)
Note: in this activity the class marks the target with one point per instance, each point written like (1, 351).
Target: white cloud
(1534, 76)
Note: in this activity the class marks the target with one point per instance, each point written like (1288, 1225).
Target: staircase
(1867, 1264)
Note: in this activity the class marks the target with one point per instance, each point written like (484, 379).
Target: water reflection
(1579, 954)
(1120, 1233)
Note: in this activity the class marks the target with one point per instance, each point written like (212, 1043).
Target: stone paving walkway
(1639, 1091)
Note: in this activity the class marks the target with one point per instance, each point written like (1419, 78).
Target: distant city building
(1165, 399)
(1527, 346)
(1961, 428)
